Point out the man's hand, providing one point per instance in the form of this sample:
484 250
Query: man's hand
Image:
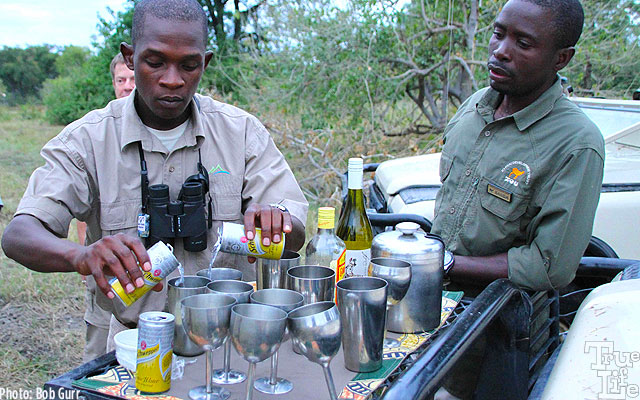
114 255
272 221
30 243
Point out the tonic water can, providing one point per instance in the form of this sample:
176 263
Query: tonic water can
155 351
235 241
163 262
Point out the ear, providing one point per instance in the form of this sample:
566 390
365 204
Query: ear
563 56
127 53
207 58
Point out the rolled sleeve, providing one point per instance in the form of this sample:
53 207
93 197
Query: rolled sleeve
58 191
268 178
560 232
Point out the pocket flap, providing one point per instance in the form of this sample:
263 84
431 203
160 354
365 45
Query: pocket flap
501 202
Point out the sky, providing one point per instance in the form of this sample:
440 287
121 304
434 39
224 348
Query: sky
57 22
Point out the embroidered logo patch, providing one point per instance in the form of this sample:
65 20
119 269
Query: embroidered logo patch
516 172
217 170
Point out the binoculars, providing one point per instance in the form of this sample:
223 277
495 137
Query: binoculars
183 218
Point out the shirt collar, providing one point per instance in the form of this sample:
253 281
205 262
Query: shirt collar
133 130
526 117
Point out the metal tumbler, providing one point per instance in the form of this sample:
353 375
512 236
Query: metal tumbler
362 302
192 285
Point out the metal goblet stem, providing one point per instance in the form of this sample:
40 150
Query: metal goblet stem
241 292
206 319
397 274
286 300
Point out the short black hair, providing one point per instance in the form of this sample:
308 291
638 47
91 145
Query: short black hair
172 10
568 18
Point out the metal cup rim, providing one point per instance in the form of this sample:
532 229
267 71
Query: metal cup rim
228 300
324 305
346 281
238 309
398 263
293 270
172 282
276 290
246 285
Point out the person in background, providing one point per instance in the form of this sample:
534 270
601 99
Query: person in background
521 165
95 318
93 170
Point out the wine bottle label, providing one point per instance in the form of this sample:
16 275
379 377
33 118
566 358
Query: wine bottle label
338 265
357 262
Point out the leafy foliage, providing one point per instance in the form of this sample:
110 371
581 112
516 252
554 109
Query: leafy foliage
23 71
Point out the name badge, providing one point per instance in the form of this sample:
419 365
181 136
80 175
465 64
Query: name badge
143 225
499 193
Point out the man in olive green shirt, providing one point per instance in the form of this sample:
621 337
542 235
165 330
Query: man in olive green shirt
522 166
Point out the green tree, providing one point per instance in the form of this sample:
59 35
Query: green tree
607 60
23 71
71 58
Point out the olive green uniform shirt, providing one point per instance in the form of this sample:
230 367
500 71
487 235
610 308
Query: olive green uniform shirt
92 173
527 185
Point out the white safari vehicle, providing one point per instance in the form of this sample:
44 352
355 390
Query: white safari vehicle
409 185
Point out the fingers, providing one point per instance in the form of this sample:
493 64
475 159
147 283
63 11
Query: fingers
271 220
250 221
114 255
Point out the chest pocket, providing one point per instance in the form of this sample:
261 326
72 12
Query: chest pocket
121 216
506 210
446 161
226 192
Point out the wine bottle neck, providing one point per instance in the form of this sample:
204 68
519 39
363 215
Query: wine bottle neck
355 179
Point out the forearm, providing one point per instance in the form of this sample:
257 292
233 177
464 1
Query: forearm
480 270
28 242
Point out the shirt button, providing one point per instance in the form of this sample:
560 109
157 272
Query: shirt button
475 182
171 169
487 133
467 172
452 210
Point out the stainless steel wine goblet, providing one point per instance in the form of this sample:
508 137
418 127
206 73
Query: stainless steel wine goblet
206 318
397 274
256 333
315 330
240 291
286 300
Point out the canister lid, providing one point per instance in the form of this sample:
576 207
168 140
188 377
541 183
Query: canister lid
407 242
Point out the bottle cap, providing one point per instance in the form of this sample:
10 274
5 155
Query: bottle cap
326 217
355 173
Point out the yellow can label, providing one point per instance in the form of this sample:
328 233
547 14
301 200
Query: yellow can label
153 370
129 298
236 242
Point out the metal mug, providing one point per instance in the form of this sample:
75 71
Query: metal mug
273 273
221 273
192 285
362 302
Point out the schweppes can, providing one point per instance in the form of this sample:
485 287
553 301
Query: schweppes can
235 241
155 351
163 262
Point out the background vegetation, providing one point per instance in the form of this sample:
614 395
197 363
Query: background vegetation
372 78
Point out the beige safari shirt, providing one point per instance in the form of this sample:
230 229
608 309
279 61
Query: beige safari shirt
527 185
92 173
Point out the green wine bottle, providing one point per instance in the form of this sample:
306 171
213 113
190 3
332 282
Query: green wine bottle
354 227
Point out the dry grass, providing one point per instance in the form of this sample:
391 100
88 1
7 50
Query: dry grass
40 314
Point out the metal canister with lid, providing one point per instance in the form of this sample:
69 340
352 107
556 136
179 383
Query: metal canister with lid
420 308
